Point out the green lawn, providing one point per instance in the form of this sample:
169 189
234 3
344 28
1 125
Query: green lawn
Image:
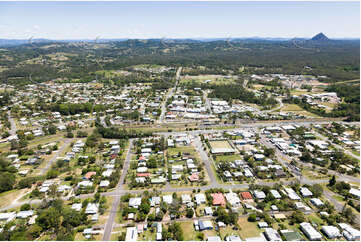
248 229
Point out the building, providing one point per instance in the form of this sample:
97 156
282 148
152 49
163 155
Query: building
135 202
218 199
272 234
305 192
200 198
205 225
310 232
331 232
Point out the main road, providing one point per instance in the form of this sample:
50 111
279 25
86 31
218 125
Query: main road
169 94
113 211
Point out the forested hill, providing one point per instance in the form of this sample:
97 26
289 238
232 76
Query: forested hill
337 59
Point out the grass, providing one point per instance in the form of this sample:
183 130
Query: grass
228 231
222 158
188 231
248 229
6 198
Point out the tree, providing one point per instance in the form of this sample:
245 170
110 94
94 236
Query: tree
332 181
317 190
7 181
189 213
252 217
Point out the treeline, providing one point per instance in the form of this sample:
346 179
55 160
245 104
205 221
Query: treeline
234 91
338 60
116 133
76 108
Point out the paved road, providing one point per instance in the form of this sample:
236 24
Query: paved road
169 94
337 146
206 160
54 158
113 211
12 130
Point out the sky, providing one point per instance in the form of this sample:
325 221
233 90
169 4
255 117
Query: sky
89 20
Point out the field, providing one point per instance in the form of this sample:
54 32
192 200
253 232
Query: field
215 79
248 229
297 110
223 144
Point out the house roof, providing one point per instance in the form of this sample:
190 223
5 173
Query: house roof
218 199
246 195
143 174
90 174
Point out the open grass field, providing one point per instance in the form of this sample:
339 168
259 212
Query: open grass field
188 231
222 158
215 79
297 110
248 229
227 231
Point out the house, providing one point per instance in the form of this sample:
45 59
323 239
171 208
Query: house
233 238
104 183
200 198
331 232
208 211
194 177
355 192
246 195
76 206
85 184
135 202
218 199
91 208
348 232
25 214
7 216
214 238
168 199
132 234
155 201
305 192
233 199
131 216
186 198
310 232
262 225
205 225
317 202
272 234
259 194
89 174
292 194
275 194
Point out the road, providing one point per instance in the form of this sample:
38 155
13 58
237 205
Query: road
169 94
54 158
113 211
279 100
206 161
12 130
337 146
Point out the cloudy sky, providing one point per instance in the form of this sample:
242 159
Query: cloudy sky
87 20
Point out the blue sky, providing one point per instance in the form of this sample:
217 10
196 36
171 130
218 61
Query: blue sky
74 20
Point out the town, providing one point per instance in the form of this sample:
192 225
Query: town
178 162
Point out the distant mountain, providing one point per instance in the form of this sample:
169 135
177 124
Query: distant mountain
320 37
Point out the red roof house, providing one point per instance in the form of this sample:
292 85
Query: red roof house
143 174
218 199
90 174
194 177
246 195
